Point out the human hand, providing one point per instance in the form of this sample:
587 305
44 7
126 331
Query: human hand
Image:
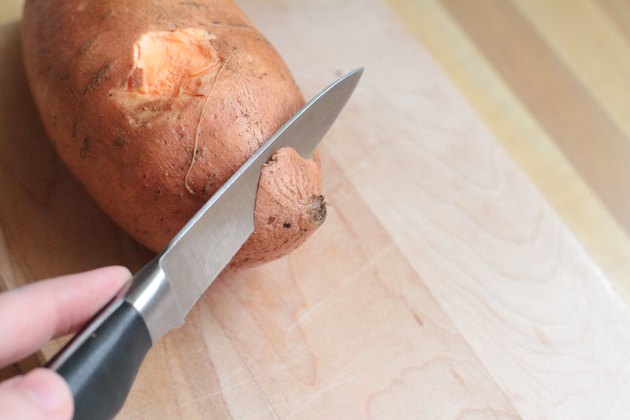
32 315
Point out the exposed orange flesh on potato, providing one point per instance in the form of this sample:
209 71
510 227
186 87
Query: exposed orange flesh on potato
172 62
153 105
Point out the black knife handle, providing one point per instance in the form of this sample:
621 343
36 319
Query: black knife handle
101 363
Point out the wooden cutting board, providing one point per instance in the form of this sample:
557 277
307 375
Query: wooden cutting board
441 285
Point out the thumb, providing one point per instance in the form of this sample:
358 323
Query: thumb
40 394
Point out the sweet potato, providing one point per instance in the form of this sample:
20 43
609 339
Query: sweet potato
154 104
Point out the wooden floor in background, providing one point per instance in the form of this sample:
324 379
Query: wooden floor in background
551 80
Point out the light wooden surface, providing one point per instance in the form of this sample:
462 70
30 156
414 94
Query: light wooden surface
549 78
442 285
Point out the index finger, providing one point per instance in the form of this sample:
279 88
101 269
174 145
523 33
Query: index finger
32 315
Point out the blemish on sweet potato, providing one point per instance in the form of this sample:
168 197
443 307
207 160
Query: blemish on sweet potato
193 4
119 142
317 210
97 79
87 45
85 148
75 123
211 186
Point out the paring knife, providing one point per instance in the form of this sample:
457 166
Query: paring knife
101 362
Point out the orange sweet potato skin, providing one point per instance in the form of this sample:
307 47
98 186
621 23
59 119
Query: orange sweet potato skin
151 146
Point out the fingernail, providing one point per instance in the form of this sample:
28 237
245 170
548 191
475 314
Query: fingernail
45 390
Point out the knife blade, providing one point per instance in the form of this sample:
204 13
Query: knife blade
101 362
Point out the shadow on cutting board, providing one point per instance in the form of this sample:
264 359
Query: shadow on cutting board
49 226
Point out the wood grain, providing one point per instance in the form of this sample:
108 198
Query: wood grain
563 108
439 184
619 13
518 129
595 51
442 285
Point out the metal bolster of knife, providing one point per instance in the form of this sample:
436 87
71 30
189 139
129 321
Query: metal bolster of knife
150 294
